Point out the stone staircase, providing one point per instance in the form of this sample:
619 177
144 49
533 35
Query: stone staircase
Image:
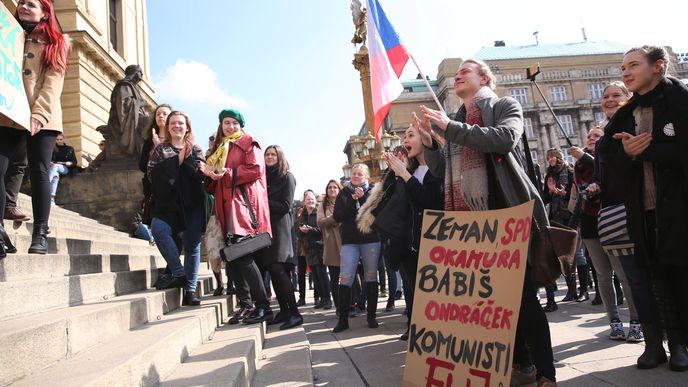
85 314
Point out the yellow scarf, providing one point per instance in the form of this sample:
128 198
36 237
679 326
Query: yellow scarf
219 158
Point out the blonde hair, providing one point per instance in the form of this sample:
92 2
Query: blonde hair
620 85
364 168
484 69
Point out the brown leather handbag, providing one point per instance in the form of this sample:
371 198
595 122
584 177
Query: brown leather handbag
551 247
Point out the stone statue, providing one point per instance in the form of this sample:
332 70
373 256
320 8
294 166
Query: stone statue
128 118
358 12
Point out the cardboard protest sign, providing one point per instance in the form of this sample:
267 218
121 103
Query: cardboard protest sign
13 101
467 299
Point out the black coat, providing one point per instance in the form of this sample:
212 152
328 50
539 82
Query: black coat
345 211
176 188
426 196
281 219
64 153
667 152
313 238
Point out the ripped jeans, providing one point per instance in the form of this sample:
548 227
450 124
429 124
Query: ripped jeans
369 253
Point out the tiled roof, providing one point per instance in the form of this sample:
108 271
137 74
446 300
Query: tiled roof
551 50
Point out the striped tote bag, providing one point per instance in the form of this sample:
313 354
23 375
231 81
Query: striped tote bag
612 230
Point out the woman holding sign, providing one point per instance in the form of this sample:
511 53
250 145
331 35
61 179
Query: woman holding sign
45 61
423 191
355 245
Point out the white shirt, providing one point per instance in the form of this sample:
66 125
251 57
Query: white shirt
420 172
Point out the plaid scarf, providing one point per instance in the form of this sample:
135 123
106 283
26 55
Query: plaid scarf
466 175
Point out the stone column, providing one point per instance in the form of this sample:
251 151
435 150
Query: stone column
362 64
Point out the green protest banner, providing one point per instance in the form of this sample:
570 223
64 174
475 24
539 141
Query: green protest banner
13 101
468 294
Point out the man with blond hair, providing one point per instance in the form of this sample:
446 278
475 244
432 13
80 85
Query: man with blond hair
483 167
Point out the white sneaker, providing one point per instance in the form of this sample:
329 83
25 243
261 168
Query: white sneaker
635 334
617 332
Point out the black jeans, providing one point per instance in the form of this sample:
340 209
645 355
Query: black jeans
302 277
39 151
248 282
321 281
14 176
532 333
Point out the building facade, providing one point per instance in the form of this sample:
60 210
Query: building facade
106 36
572 78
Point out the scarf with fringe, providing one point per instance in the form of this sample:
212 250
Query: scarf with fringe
466 174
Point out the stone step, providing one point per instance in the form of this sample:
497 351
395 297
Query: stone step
229 359
31 296
79 232
85 246
286 359
31 343
142 356
24 202
56 224
21 267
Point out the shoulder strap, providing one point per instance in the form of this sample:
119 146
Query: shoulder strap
254 221
530 166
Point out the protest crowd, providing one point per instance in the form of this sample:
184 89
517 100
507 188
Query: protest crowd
626 196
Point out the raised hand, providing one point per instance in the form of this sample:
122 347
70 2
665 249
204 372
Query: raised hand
437 117
155 138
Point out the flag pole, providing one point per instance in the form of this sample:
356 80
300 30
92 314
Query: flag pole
434 134
427 84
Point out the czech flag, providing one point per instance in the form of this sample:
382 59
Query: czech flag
387 60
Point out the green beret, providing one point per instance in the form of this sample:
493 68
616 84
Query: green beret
233 113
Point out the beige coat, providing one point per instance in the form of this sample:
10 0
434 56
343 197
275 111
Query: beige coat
43 86
332 238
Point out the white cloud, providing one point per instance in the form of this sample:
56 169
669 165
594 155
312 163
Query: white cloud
193 82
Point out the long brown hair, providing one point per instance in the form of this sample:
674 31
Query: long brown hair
189 131
327 203
282 163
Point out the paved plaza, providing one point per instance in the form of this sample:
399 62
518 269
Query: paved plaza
584 355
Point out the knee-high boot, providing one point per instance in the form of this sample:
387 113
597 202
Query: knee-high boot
343 309
583 279
654 353
570 276
371 300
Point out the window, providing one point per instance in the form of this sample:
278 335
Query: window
595 90
519 95
534 156
558 93
114 19
599 117
567 124
567 156
528 127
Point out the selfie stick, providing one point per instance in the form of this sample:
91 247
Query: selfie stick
531 73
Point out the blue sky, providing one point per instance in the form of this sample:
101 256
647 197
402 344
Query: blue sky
287 65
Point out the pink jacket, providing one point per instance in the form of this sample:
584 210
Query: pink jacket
247 158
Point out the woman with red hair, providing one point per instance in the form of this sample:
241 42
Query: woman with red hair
45 62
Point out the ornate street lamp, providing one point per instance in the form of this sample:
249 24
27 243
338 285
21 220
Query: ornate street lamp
357 145
396 141
347 171
382 163
370 142
387 141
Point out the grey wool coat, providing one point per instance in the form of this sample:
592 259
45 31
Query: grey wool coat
500 140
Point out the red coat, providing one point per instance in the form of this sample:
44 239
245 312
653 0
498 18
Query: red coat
247 158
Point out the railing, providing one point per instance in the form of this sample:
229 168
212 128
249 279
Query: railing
609 72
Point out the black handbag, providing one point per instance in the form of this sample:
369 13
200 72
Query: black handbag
241 246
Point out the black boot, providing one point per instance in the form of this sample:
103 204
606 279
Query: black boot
6 246
344 304
191 299
678 361
583 279
571 286
371 300
654 353
39 238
